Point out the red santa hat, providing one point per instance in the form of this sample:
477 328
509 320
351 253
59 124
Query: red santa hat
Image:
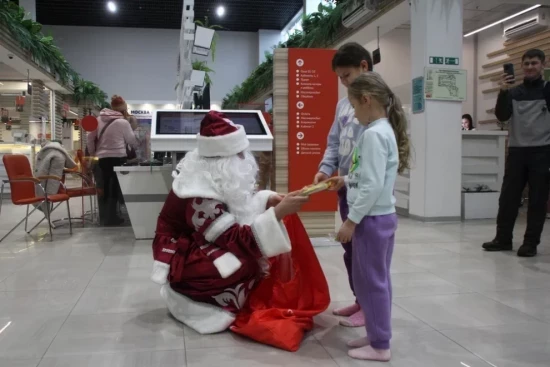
220 137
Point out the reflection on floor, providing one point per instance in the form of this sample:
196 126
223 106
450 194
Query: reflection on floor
86 300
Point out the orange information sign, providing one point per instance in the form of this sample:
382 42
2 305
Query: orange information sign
312 99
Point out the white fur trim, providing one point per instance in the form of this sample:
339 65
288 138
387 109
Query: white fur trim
160 272
220 225
270 234
259 201
227 264
223 145
201 317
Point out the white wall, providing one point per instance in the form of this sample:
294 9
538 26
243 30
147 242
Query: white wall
487 41
395 68
141 64
267 39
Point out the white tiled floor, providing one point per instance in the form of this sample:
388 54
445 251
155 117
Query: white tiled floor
86 301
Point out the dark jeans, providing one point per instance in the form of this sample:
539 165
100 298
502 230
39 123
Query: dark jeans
111 194
344 211
524 166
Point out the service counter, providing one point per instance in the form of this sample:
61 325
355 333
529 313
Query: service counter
483 162
144 190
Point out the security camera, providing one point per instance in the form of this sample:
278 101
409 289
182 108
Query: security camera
10 56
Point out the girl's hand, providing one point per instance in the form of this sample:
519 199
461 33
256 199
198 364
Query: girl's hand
336 183
274 200
346 232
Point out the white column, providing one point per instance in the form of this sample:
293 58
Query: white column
267 39
435 178
30 7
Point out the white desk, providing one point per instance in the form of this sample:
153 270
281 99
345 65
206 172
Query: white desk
483 162
144 189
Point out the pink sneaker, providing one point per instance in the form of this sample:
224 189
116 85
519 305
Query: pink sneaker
355 320
347 311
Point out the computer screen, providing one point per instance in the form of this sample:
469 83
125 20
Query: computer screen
189 122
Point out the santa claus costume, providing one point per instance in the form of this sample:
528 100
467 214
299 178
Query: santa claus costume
217 241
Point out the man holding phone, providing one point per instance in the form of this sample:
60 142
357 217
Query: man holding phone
525 106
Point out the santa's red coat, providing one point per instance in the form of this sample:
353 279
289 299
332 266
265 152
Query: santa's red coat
213 265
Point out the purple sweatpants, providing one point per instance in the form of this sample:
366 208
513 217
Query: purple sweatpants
373 242
344 211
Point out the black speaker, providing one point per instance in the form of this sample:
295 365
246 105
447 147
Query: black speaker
376 57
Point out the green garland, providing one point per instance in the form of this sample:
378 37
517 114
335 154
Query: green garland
319 31
45 53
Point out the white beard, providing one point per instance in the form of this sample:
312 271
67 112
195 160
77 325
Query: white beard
234 178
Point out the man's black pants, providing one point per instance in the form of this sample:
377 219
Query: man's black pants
524 166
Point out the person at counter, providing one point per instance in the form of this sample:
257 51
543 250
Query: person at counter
109 142
349 62
467 122
216 240
526 108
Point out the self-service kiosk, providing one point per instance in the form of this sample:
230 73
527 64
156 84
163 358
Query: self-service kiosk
145 187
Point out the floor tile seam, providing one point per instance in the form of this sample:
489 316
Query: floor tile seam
413 315
70 312
466 349
487 298
96 353
515 309
519 324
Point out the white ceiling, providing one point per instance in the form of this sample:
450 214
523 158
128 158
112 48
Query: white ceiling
479 13
9 73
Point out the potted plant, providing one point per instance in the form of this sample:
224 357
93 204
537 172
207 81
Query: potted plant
479 202
202 66
206 24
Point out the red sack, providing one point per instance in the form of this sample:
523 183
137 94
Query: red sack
280 310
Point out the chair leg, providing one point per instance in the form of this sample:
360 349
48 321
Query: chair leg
41 220
27 219
49 220
17 225
1 197
69 215
92 215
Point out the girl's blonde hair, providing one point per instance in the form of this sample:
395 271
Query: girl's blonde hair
373 85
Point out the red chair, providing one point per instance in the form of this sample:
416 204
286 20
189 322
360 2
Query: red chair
22 184
88 187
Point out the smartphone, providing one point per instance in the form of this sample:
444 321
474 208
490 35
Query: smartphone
509 69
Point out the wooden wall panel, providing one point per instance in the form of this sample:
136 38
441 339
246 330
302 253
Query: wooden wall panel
514 51
317 224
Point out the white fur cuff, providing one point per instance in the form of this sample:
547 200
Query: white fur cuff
227 264
160 272
218 227
270 234
201 317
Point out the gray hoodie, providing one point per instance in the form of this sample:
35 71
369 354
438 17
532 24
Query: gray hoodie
341 141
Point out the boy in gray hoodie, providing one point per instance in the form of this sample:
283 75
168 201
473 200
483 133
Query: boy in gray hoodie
350 61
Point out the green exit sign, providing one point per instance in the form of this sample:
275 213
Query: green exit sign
451 61
437 60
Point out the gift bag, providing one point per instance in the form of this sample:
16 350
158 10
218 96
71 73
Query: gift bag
281 309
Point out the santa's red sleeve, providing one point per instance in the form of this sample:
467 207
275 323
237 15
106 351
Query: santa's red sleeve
264 237
169 225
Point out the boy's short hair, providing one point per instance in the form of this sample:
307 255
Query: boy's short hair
351 55
534 53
